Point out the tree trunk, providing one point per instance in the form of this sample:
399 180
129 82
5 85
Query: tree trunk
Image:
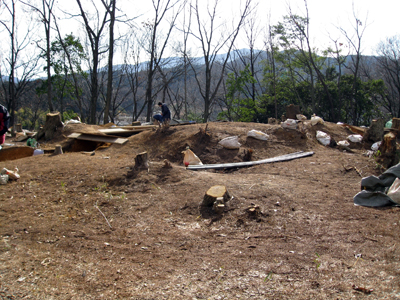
375 132
110 63
141 161
53 122
388 156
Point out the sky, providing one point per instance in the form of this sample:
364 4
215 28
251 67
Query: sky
379 18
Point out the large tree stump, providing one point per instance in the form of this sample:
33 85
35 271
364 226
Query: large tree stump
18 127
387 149
292 111
53 122
58 150
375 132
396 123
216 196
273 121
141 162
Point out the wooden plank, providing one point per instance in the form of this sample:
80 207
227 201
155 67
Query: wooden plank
124 131
285 157
144 127
355 129
98 138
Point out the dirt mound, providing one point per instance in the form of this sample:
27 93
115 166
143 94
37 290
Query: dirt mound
78 226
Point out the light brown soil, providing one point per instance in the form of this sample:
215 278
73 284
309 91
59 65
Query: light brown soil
56 244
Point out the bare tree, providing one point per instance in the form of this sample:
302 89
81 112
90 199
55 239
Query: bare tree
302 25
45 16
206 34
187 19
156 44
271 51
19 70
134 71
94 34
251 57
111 10
388 68
355 44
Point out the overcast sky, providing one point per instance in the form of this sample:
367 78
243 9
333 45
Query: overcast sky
380 18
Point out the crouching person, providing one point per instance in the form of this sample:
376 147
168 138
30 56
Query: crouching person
165 116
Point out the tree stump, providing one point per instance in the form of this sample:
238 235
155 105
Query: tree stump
375 132
215 192
53 122
273 121
396 123
387 150
292 111
58 150
141 161
253 211
18 127
167 164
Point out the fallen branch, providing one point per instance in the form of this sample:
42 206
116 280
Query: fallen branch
103 215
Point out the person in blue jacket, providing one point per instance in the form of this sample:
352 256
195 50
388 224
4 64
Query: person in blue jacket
165 113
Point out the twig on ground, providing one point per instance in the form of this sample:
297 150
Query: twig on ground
103 215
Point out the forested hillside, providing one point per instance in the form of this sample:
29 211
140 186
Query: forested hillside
185 56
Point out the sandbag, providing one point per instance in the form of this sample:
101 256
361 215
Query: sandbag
355 138
323 138
289 124
375 146
344 143
230 142
258 135
4 179
301 117
190 158
316 120
394 191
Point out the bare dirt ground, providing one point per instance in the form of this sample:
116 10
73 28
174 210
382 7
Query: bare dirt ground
308 242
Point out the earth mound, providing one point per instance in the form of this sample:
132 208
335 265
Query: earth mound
78 226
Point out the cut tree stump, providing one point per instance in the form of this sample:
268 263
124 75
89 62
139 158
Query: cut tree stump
396 123
58 150
388 157
167 164
18 127
375 132
292 111
273 121
141 162
53 122
213 194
